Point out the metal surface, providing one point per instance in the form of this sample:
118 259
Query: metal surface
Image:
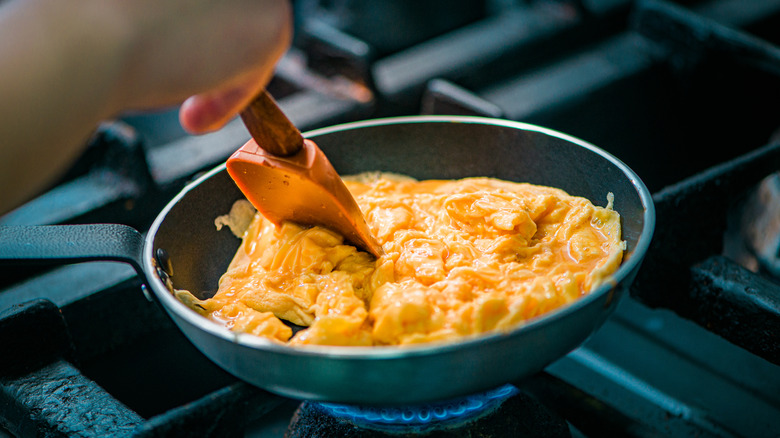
683 270
398 375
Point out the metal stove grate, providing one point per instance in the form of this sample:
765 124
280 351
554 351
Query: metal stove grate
678 90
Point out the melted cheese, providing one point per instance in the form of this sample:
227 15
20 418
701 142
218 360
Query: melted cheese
461 258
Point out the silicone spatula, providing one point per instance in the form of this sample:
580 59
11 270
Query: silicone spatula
288 178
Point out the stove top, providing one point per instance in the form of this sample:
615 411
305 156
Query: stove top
682 91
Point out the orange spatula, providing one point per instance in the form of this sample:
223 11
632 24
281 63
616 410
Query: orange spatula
288 178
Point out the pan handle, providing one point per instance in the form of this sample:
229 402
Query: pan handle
64 244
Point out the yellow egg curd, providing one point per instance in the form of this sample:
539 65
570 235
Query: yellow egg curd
461 258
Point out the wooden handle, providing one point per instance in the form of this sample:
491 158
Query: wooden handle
270 128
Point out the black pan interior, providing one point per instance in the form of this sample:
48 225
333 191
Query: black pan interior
427 150
199 253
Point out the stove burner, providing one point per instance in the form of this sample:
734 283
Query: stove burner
421 417
502 412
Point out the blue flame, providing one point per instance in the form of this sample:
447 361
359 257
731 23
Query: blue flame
426 416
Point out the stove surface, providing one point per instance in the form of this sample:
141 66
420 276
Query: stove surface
682 91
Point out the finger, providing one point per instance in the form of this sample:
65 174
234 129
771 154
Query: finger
208 112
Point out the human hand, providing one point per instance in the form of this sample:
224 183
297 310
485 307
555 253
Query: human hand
218 55
68 65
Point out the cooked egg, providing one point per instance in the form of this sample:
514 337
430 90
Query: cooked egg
462 258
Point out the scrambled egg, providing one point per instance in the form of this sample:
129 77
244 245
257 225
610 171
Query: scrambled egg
461 258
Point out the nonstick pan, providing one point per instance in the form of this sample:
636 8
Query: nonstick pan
423 147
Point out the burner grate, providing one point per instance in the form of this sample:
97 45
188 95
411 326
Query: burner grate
684 271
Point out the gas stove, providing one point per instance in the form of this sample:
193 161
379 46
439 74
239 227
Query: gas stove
685 93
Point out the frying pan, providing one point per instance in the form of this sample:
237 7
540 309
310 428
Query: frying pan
420 146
